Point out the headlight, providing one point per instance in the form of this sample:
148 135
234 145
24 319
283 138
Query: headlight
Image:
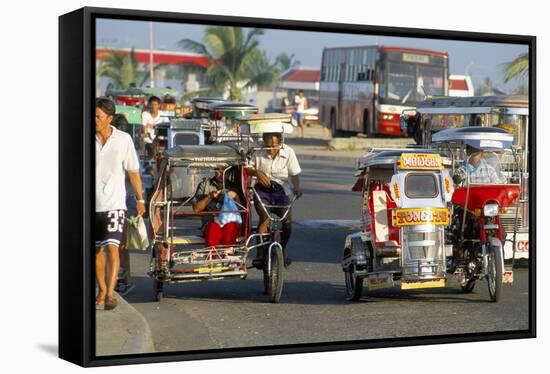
490 210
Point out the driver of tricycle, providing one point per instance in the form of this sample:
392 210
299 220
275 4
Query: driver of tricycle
277 171
479 170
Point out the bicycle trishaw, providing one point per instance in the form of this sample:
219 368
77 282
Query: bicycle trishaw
179 253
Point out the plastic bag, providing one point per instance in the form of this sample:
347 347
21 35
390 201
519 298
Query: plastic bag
229 211
136 234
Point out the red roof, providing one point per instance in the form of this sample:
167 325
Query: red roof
458 84
302 75
159 57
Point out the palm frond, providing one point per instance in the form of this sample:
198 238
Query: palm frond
194 46
518 68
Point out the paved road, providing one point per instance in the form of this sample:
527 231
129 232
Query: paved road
235 313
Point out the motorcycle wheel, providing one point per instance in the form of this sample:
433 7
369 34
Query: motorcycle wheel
494 278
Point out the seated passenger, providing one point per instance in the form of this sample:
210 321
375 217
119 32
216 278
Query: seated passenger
224 227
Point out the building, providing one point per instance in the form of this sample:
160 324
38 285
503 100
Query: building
460 85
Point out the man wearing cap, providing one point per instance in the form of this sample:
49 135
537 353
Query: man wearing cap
478 169
277 171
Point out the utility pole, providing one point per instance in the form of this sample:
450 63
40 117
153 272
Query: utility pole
151 76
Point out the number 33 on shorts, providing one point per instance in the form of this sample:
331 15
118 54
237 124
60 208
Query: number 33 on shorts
116 220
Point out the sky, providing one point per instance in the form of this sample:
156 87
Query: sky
480 60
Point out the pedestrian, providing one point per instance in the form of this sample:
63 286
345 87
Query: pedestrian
277 171
300 105
115 156
149 119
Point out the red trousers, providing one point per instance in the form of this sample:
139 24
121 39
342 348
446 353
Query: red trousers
215 235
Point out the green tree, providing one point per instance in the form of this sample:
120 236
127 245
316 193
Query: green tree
487 87
285 61
517 68
120 67
236 61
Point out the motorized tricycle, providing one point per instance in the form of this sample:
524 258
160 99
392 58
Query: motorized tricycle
484 190
224 126
508 112
405 212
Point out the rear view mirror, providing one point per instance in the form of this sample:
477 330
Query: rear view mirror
457 179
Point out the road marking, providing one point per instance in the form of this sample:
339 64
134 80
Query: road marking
328 224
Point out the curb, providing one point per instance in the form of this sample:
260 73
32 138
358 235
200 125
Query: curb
302 156
122 331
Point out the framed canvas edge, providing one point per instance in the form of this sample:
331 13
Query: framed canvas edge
81 333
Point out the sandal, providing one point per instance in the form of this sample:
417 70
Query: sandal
111 303
99 304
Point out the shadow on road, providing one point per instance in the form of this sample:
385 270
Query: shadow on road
294 292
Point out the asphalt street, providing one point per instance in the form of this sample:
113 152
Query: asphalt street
235 313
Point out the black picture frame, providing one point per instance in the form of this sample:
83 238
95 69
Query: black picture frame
76 190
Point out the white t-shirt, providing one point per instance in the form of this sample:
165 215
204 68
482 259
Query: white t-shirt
112 160
279 169
149 122
300 103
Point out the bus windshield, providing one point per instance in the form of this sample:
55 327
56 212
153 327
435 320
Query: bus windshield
409 83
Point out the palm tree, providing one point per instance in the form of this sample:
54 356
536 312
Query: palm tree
285 61
517 68
486 87
236 61
120 67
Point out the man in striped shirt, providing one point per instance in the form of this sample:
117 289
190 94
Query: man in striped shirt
479 170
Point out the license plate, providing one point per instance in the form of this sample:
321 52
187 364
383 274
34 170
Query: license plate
379 281
430 283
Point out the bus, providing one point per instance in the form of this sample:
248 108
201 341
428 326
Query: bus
365 89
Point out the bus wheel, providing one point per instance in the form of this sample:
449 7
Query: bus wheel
333 122
366 123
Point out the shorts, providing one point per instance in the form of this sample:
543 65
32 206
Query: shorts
109 227
299 116
273 198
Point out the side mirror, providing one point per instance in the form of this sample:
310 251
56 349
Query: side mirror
457 179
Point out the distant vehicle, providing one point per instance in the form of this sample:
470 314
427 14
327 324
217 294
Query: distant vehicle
137 97
365 89
311 112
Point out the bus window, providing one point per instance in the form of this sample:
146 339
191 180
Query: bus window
401 81
431 79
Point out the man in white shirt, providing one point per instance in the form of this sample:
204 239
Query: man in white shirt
115 155
149 119
277 171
